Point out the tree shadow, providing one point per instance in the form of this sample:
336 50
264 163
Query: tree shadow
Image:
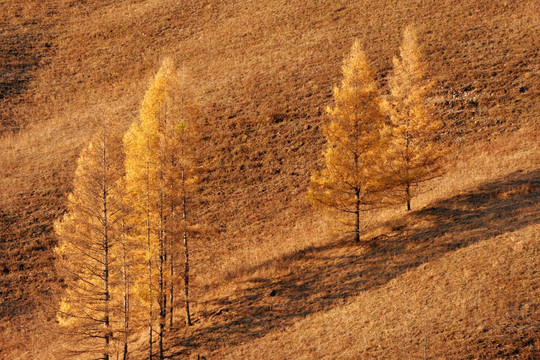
325 277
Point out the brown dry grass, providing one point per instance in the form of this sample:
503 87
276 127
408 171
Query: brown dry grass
263 74
468 304
466 227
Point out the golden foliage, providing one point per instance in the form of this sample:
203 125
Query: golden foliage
87 233
353 158
160 176
415 150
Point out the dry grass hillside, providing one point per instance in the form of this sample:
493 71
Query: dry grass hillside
484 309
459 273
262 74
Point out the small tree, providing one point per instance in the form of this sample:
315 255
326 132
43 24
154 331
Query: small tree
414 151
350 180
86 235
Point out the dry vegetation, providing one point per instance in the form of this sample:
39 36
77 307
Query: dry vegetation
488 308
466 226
262 75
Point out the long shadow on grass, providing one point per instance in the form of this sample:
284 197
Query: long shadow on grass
324 277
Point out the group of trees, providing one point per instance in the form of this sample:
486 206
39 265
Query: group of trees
126 229
378 148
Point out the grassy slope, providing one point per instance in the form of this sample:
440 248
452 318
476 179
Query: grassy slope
262 75
478 302
464 224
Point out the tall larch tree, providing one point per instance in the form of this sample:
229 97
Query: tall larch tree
125 286
350 180
158 173
144 186
414 151
126 253
87 233
182 132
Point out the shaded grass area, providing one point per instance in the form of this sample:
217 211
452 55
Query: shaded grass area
25 41
320 278
26 253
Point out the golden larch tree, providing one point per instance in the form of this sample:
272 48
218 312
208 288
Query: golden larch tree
144 187
350 180
181 137
414 151
158 175
87 233
126 253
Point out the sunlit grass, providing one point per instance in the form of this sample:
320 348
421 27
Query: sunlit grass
262 74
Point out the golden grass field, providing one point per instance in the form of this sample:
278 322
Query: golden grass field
455 278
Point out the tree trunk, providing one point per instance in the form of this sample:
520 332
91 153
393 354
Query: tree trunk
105 224
357 216
126 291
161 295
408 196
186 251
186 280
171 284
407 162
171 235
149 263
